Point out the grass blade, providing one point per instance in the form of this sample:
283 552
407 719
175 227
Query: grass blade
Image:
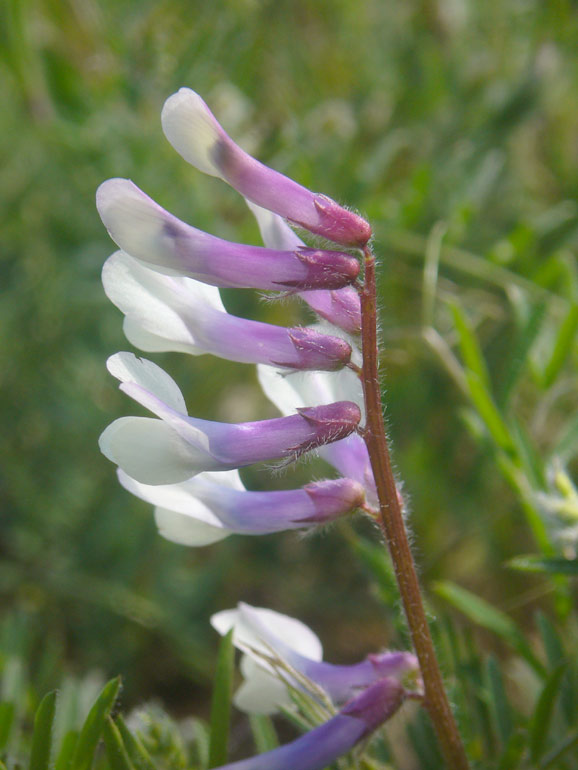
562 347
138 755
484 614
469 346
7 714
91 731
221 705
535 563
264 733
115 749
543 712
66 752
501 711
42 736
518 356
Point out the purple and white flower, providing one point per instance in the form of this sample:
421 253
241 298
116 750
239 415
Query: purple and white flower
172 313
143 229
211 506
197 136
281 652
176 447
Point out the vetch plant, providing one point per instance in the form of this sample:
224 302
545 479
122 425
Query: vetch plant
328 393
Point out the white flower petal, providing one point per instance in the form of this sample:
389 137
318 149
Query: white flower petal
186 530
127 368
161 311
298 389
149 450
275 232
153 343
261 629
136 223
191 129
182 498
261 692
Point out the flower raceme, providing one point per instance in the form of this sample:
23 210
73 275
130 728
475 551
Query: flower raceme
211 506
175 447
165 280
281 652
197 136
175 313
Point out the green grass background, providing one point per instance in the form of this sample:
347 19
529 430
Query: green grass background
435 118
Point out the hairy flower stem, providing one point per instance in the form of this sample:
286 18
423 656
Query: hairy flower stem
392 524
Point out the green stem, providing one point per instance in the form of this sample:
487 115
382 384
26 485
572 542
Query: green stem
392 524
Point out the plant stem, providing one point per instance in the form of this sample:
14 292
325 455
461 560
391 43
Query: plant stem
392 524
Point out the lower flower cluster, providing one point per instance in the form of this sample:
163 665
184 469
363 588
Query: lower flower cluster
165 279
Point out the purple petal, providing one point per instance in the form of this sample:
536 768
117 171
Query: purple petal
320 747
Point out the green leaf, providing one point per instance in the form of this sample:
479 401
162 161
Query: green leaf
91 731
562 347
42 736
518 356
115 749
536 563
551 640
513 753
542 717
469 346
532 462
64 758
501 711
488 411
556 654
221 704
484 614
7 713
138 755
264 733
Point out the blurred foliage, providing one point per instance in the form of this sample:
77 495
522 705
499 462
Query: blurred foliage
452 125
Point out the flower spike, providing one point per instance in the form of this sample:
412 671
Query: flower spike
171 313
195 134
146 231
177 446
